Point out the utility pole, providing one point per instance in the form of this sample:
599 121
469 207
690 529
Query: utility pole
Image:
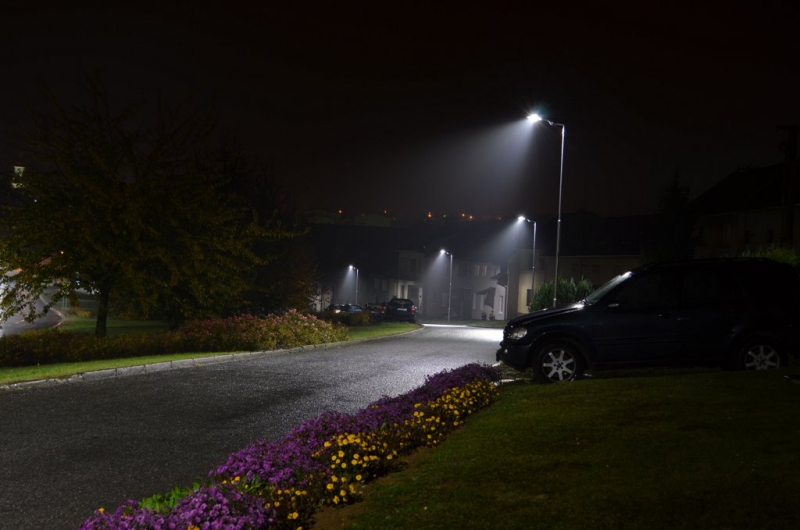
788 193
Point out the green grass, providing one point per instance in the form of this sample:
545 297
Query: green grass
381 330
683 450
55 371
114 326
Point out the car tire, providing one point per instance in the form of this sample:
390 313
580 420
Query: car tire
760 354
558 362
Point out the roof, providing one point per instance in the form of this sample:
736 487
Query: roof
745 189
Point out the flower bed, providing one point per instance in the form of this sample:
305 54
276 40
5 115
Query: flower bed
323 461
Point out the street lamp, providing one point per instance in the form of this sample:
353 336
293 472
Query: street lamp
352 268
450 287
533 255
534 118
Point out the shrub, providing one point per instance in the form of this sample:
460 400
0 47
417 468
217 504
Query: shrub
360 318
241 333
569 292
780 254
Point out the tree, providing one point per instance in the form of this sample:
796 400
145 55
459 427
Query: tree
671 237
286 273
123 209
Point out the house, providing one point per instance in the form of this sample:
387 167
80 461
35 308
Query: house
747 211
406 262
592 247
491 270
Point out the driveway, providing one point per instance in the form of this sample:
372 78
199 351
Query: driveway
71 448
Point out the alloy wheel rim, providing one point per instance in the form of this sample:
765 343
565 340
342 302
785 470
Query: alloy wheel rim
761 357
559 365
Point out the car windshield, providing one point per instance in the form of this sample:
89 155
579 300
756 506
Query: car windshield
601 291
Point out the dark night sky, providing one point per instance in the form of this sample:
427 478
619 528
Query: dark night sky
416 107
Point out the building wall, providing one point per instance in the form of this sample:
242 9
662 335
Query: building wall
731 234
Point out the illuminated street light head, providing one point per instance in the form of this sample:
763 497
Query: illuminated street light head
351 267
522 218
443 251
533 117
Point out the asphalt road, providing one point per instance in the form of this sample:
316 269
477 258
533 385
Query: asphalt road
70 448
16 324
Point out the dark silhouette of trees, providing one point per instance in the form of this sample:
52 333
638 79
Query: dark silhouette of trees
138 209
671 237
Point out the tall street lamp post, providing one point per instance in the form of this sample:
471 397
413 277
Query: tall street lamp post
450 285
533 257
533 118
352 268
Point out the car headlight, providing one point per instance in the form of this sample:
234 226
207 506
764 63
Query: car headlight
517 334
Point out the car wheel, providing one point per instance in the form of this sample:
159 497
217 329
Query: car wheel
558 362
760 354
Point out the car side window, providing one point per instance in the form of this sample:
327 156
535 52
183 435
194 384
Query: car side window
707 287
647 292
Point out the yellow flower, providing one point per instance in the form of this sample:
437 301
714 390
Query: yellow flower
101 510
358 477
330 486
343 493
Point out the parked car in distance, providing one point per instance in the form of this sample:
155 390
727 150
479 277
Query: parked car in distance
335 308
737 313
400 309
352 308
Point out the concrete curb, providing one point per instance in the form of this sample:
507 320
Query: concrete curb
181 364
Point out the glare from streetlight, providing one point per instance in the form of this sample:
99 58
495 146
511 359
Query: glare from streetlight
533 117
354 268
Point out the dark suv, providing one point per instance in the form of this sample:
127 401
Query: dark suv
401 309
737 313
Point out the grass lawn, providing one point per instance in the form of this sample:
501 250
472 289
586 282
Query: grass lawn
114 326
687 449
384 329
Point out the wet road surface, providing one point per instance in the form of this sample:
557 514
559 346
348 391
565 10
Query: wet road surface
70 448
